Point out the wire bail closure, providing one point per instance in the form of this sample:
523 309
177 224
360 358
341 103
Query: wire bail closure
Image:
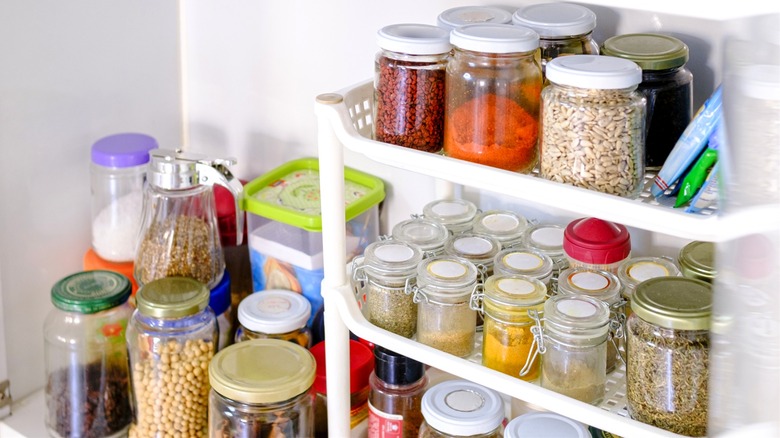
537 345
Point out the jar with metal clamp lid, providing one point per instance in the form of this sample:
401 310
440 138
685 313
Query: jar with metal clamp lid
524 261
457 215
428 234
445 318
479 249
505 226
548 239
638 269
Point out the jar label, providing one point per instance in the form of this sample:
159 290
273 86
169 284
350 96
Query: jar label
550 237
523 261
646 270
516 286
589 281
473 245
447 269
274 305
576 308
500 222
448 209
384 425
394 253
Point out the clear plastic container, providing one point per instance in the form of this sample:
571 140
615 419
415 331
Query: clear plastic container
459 408
593 124
395 399
457 215
479 249
220 302
274 314
88 381
428 234
260 388
171 339
638 269
493 95
503 225
596 244
524 261
548 424
409 73
463 15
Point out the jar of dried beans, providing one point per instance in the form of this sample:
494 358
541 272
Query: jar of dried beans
668 345
494 82
505 226
459 408
428 234
445 318
171 339
524 261
593 123
274 314
457 215
409 85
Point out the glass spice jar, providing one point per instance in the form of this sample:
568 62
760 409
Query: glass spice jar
668 345
593 123
524 261
428 234
493 88
593 243
462 15
387 274
503 225
697 260
666 84
548 239
395 399
459 408
274 314
445 319
638 269
409 73
479 249
261 388
88 380
457 215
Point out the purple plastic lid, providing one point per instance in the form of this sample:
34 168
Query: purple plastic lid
123 150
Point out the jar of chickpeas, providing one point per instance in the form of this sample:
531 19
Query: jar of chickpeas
171 339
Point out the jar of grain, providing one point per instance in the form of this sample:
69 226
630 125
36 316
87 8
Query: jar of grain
493 88
428 234
697 260
459 408
409 73
386 274
274 314
574 347
503 225
524 261
638 269
457 215
548 239
479 249
593 243
668 344
261 387
593 123
445 320
507 337
171 339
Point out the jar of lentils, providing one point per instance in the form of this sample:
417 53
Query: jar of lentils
505 226
409 85
428 234
171 339
457 215
593 122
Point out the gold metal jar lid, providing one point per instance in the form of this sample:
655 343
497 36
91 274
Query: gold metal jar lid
172 297
678 303
697 260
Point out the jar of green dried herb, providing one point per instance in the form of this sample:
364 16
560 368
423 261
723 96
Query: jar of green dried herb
667 371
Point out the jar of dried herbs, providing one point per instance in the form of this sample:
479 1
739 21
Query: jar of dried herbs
697 260
668 347
457 215
445 320
548 239
479 249
428 234
524 261
386 273
503 225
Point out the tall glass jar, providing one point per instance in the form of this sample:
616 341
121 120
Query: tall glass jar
493 87
428 234
524 261
88 380
261 387
445 320
394 402
459 408
548 239
409 73
503 225
479 249
574 347
457 215
593 123
387 274
668 344
171 339
507 336
274 314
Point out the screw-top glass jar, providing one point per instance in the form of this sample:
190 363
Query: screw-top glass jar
463 15
456 214
697 260
397 387
428 234
459 408
536 424
274 314
503 225
479 249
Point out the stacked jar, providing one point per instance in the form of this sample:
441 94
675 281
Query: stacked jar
427 234
459 408
274 314
505 226
596 244
463 15
457 215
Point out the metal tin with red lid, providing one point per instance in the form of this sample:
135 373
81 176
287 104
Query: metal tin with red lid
595 243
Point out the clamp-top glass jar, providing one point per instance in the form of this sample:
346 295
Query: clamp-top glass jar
459 408
548 239
428 234
457 215
593 124
479 249
503 225
274 314
493 86
638 269
409 76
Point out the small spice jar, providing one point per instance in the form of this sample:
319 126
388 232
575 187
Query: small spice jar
171 339
274 314
524 261
493 92
220 303
507 337
428 234
463 15
395 399
445 320
409 85
563 28
697 260
638 269
459 408
593 123
548 239
574 347
479 249
668 345
537 424
457 215
596 244
261 388
505 226
387 274
88 380
666 84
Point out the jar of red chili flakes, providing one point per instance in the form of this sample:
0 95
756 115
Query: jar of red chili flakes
409 85
494 84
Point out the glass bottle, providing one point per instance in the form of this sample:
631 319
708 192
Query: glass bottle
638 269
428 234
274 314
457 215
503 225
462 15
395 399
697 260
171 340
261 387
409 73
479 249
459 408
445 320
524 261
593 123
593 243
88 380
493 88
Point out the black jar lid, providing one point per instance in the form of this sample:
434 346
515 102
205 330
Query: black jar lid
651 51
395 369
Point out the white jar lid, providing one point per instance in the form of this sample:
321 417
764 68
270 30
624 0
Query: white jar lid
547 238
463 15
494 38
462 408
414 39
594 71
545 424
274 311
556 19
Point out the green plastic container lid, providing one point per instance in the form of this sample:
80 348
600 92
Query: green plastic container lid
172 297
651 51
674 302
291 194
90 291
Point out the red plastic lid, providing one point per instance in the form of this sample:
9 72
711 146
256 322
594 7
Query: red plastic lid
92 262
592 240
226 215
361 364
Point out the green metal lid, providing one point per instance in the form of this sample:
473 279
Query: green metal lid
674 302
291 194
90 291
172 297
650 51
697 260
262 371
